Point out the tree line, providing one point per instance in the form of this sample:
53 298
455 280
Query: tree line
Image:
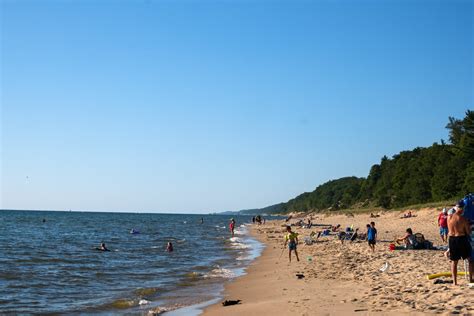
440 172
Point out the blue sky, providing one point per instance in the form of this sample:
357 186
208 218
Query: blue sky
202 106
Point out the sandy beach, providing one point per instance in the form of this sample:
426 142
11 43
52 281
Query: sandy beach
346 278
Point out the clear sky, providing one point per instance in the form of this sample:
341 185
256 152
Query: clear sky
203 106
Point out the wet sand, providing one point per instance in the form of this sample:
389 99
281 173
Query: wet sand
345 279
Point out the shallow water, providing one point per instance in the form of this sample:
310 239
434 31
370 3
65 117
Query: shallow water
53 267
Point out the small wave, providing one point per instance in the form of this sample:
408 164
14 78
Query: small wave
240 246
220 273
242 257
123 304
146 291
192 275
236 239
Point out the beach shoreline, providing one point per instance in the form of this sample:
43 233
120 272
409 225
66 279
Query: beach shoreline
345 279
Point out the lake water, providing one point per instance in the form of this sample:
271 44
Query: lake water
52 266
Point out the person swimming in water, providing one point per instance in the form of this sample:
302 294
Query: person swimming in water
102 247
169 247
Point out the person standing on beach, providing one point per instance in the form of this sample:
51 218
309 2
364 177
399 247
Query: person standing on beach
292 239
232 226
371 236
459 243
443 225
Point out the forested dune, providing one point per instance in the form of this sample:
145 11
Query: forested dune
440 172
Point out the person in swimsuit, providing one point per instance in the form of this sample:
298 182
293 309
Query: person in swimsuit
459 242
292 239
169 247
232 226
409 239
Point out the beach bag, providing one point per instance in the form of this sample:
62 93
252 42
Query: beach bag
469 207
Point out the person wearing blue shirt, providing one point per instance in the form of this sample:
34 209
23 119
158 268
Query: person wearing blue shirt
371 235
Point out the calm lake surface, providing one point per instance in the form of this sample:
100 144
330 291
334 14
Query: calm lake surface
52 266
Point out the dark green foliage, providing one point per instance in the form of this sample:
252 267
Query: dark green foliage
455 130
436 173
336 194
468 185
272 209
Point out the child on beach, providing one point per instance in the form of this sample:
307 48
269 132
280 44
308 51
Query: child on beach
292 239
371 235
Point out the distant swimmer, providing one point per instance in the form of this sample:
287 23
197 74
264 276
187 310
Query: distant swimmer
169 247
202 220
134 231
232 226
44 220
102 247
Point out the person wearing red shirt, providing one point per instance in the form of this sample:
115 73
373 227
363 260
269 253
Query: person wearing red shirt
443 225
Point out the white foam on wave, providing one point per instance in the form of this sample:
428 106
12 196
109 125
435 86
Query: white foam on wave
236 239
240 246
220 273
243 257
239 243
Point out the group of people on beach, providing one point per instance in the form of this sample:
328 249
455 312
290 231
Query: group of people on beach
259 219
454 228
